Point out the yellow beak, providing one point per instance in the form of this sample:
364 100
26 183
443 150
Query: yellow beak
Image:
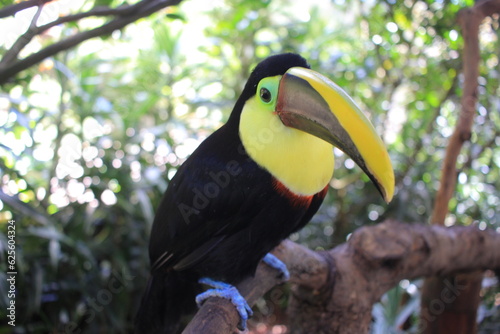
310 102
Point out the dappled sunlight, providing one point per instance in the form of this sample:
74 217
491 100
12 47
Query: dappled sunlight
91 137
262 328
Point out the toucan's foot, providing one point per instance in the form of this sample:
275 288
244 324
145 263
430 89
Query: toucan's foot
224 290
277 264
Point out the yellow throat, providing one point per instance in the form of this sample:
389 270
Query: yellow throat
300 161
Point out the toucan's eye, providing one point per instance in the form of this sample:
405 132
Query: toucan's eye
265 95
267 91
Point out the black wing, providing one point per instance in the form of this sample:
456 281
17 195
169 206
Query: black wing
213 194
221 207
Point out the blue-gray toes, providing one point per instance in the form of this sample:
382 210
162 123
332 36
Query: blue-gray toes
277 264
224 290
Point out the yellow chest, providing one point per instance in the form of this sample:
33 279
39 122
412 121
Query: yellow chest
300 161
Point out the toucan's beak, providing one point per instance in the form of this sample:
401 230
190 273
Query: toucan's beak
312 103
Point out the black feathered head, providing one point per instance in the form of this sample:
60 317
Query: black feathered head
269 67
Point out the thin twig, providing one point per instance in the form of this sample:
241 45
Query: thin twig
148 8
25 209
410 161
13 9
34 30
23 40
474 155
123 10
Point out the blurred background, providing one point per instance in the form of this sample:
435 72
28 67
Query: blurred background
90 138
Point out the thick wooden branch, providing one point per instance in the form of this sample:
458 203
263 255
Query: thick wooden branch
306 267
334 291
146 8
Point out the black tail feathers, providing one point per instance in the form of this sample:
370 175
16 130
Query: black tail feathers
168 297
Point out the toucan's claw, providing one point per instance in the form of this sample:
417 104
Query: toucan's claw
273 262
227 291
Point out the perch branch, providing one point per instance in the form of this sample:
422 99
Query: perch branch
306 267
342 285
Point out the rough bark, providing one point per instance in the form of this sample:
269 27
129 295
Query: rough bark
306 267
334 291
459 316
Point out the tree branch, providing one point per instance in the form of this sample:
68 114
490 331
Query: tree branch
13 9
126 16
306 267
419 146
25 209
34 30
460 316
97 11
469 20
22 41
334 291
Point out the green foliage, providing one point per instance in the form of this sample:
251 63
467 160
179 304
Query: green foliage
91 138
396 311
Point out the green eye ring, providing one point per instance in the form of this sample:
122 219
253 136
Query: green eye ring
265 95
267 91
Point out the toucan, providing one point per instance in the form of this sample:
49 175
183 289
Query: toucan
249 185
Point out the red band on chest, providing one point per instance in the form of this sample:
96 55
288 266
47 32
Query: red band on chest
296 200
